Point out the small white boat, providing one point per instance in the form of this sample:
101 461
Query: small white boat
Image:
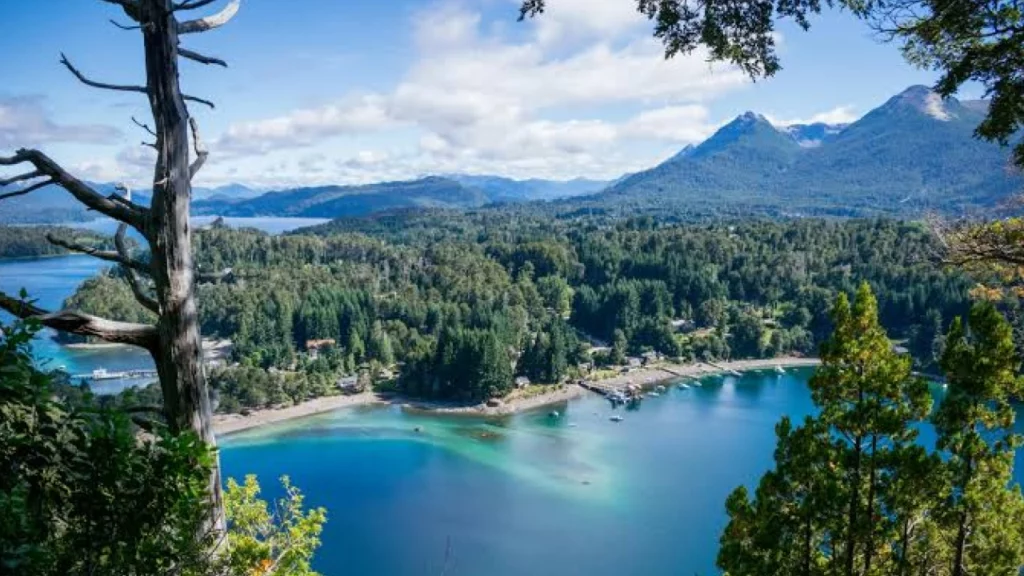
660 388
779 369
554 414
683 386
653 394
616 418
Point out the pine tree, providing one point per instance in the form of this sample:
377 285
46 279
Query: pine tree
974 424
619 347
868 398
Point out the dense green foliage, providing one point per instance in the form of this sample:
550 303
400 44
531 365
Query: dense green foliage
462 303
852 492
79 494
29 241
268 541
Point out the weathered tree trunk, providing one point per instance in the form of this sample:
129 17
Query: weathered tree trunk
179 354
174 342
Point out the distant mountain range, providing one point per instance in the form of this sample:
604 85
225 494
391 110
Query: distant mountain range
53 205
915 153
452 191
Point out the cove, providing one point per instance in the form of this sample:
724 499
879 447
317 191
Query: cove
532 494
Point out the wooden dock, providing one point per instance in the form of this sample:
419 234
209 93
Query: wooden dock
605 390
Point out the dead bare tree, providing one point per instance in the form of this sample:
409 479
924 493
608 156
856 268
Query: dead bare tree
174 341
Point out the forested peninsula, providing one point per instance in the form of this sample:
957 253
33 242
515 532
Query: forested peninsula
32 242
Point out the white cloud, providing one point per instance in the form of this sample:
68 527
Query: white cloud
566 20
305 127
688 123
25 122
477 100
837 115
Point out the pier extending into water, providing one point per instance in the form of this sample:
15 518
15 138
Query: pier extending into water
120 375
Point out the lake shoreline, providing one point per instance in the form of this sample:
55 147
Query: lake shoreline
227 424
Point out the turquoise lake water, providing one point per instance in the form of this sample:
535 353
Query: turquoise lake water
532 494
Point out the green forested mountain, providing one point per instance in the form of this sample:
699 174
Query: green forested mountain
913 154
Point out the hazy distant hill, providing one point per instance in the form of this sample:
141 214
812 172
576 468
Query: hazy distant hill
914 153
337 201
52 204
499 189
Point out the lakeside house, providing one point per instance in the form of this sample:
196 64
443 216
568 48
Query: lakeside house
650 357
522 382
349 384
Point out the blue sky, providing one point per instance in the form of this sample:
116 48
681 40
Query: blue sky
327 91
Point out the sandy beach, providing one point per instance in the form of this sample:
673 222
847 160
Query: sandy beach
514 403
650 375
224 424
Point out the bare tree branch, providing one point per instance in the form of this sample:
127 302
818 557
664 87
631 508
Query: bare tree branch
133 280
130 7
24 191
103 85
201 58
144 126
201 150
122 211
105 255
142 335
120 87
150 144
124 26
199 100
191 4
210 22
19 178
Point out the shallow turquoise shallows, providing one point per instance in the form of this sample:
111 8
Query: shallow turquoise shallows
531 494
